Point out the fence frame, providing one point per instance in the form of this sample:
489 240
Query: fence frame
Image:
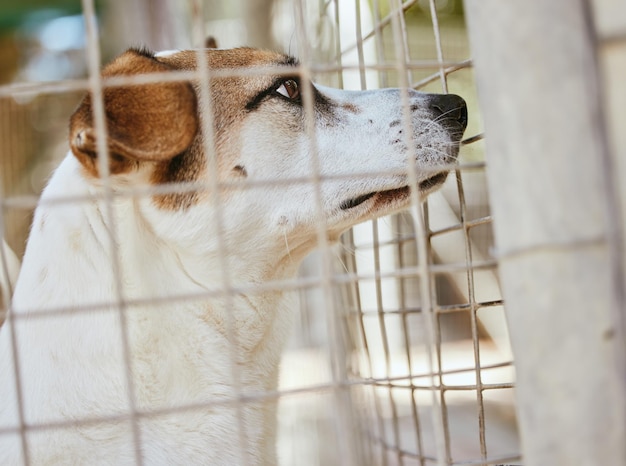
558 226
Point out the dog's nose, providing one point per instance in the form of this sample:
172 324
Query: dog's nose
449 107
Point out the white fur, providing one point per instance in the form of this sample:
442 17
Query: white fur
72 364
180 350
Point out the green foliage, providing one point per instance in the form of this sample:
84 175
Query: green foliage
14 13
421 9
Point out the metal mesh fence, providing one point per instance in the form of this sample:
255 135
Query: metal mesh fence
402 354
425 316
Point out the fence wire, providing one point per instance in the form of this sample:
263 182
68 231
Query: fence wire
412 318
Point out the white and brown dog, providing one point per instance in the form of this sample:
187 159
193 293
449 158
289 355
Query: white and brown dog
79 372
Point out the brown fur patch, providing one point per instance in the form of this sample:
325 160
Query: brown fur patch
152 122
351 108
184 168
240 170
229 96
210 43
158 125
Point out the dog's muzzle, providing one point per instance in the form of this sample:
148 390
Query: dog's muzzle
449 110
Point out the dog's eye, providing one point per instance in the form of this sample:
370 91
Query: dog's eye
289 88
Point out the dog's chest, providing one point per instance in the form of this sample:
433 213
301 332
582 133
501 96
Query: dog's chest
194 353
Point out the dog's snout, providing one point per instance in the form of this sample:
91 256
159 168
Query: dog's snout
449 107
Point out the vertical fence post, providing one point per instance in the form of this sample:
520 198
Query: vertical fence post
557 230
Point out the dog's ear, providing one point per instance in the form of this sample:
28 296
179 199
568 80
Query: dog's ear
153 122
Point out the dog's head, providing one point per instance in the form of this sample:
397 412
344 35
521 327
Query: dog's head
264 157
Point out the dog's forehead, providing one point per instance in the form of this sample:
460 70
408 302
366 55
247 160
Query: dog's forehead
243 57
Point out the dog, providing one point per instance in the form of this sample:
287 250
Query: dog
144 324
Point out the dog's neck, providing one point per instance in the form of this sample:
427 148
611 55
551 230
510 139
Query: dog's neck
190 342
158 257
215 249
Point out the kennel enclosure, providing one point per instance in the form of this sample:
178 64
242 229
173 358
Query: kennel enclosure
401 351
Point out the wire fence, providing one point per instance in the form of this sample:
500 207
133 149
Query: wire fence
405 331
422 379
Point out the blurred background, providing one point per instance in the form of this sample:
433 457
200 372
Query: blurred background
394 384
355 45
